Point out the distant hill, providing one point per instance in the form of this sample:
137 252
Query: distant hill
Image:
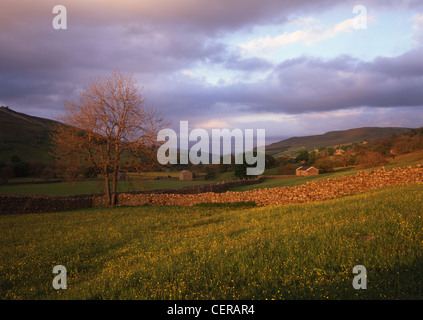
23 135
28 137
332 138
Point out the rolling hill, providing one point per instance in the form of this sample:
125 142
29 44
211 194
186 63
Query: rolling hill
28 137
23 135
332 138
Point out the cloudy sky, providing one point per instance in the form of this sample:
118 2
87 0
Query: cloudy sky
295 68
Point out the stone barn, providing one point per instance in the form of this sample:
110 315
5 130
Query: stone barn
185 175
306 171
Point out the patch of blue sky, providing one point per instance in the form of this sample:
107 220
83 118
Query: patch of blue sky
387 34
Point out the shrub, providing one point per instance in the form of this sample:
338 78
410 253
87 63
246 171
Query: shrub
35 168
6 172
21 169
240 171
48 173
324 165
370 159
211 174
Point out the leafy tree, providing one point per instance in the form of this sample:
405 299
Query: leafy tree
370 159
270 161
35 168
302 156
20 168
282 160
240 170
311 158
324 165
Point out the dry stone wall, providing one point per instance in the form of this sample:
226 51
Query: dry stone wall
17 204
216 193
311 191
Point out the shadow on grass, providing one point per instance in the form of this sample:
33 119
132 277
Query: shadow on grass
233 205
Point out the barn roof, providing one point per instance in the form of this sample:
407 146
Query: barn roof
304 168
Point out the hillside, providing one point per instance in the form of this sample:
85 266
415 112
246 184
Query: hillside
23 135
27 137
333 138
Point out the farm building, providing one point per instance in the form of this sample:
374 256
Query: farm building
306 171
185 175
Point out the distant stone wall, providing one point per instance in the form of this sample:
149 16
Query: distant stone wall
214 187
18 204
311 191
217 193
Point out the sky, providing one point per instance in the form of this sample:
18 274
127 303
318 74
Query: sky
294 68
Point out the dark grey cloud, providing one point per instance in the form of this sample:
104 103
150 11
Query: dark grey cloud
409 64
307 84
235 62
311 84
157 40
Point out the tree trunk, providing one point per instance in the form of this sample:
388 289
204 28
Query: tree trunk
107 189
114 187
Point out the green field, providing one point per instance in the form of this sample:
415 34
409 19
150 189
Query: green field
295 181
304 251
90 187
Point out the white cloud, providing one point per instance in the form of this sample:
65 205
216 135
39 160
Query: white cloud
303 21
307 36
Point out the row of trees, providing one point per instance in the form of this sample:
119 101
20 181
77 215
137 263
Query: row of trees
16 168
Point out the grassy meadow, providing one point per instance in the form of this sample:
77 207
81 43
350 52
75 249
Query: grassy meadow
231 251
90 187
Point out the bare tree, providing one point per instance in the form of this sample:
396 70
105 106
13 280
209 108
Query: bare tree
109 129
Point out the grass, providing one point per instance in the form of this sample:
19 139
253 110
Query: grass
295 181
226 176
409 158
89 187
271 172
236 251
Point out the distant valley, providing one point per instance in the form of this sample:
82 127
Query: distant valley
28 137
